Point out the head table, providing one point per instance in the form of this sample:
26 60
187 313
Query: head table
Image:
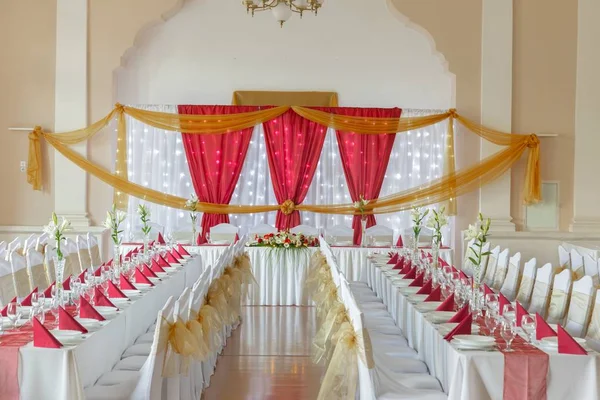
472 374
280 274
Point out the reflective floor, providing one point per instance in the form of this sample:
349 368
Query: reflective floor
268 357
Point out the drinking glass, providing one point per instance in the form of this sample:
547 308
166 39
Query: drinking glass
54 308
38 312
104 283
508 312
13 312
491 298
490 321
528 324
507 331
35 299
53 291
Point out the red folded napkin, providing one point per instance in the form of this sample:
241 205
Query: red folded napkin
114 292
407 267
463 327
48 291
447 305
520 311
155 267
109 263
5 309
67 283
27 300
412 274
487 290
502 301
418 281
463 275
568 345
427 287
181 250
141 278
42 337
172 259
442 262
82 276
87 311
148 272
176 254
162 262
454 269
125 284
129 253
461 314
67 323
435 295
399 265
151 243
160 239
101 300
542 329
393 259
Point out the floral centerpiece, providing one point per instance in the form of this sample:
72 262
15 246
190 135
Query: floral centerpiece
417 215
359 206
284 240
437 220
192 206
113 221
144 213
479 234
56 229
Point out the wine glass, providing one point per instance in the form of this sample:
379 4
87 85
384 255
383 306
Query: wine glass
13 312
104 283
54 308
75 296
507 331
529 325
490 321
54 291
35 299
508 312
38 312
491 298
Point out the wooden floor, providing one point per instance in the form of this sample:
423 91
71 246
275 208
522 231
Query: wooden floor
268 357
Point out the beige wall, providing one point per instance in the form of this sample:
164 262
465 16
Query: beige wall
543 90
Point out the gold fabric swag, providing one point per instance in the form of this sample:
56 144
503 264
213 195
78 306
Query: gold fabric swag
449 186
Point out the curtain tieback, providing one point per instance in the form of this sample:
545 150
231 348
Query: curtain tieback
532 141
287 207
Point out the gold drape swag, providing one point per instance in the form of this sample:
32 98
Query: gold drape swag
446 188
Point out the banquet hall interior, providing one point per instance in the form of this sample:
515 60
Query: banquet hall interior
299 199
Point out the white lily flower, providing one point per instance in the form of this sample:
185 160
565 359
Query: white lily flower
472 232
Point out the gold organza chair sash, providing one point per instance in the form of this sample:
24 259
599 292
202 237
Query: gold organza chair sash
525 289
499 277
539 298
578 272
22 286
324 300
341 379
38 276
49 268
580 308
72 265
559 301
7 288
179 341
85 261
322 343
594 327
95 255
490 270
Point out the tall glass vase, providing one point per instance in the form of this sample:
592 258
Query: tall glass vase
146 241
194 233
476 301
363 231
116 264
415 246
435 253
59 269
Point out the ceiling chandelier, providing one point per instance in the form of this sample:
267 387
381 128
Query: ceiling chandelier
282 9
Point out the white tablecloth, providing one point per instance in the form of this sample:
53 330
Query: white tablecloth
56 374
467 375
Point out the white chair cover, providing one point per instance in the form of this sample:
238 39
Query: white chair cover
15 245
559 300
590 266
223 233
94 250
564 258
41 242
379 235
20 275
35 267
261 229
340 235
7 284
305 230
501 269
511 282
580 307
490 268
83 252
541 290
527 281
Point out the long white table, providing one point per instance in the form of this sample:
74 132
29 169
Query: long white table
56 374
467 375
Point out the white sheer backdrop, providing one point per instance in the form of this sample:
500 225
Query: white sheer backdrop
157 160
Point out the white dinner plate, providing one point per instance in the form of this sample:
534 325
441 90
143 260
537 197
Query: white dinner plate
132 294
417 298
401 283
438 317
143 287
118 301
428 306
475 340
462 346
445 328
107 312
89 323
409 290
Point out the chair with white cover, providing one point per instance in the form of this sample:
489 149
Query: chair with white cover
591 268
580 307
541 290
306 230
30 242
564 258
513 275
223 234
380 236
490 268
49 254
35 267
425 237
467 265
71 253
144 383
41 241
7 284
593 329
94 250
577 264
559 300
15 245
501 269
20 276
179 386
261 229
527 281
83 252
340 235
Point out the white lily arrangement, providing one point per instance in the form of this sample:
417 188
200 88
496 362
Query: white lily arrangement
418 215
479 234
437 220
360 205
57 230
144 213
113 221
192 206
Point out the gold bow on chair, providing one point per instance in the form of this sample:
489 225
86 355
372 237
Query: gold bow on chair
322 343
179 340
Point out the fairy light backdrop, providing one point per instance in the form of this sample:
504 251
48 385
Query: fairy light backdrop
156 159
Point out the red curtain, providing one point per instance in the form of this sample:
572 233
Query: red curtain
293 148
215 162
365 158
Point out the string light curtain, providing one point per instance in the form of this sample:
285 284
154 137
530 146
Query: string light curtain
293 150
215 162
